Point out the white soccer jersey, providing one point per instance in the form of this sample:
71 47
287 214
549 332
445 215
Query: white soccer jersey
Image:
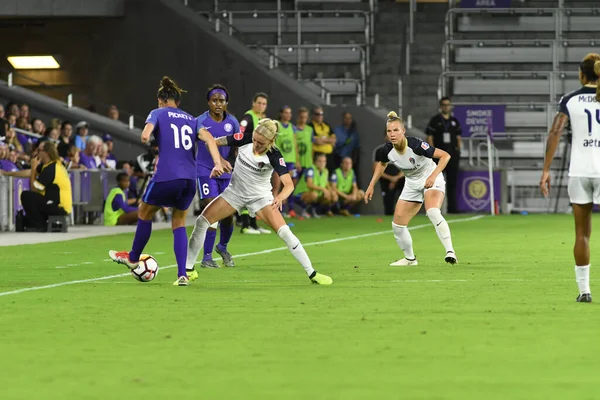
251 177
584 114
416 162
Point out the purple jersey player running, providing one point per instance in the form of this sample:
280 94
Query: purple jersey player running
219 123
173 183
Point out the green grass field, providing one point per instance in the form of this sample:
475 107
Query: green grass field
502 324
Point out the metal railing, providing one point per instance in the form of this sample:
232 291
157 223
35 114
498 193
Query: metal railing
554 46
298 15
551 75
321 82
556 13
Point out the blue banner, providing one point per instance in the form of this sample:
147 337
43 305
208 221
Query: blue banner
485 3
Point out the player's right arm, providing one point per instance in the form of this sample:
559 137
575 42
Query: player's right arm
207 138
151 122
381 159
558 126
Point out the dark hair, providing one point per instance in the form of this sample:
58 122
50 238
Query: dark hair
217 86
65 123
259 95
445 98
317 155
121 176
590 69
352 126
168 90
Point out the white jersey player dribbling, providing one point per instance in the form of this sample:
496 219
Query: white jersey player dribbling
424 183
251 189
582 108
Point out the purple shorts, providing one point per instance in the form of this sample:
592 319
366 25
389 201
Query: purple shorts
291 167
209 188
178 193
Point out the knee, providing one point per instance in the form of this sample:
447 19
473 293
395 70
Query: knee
360 195
435 215
26 195
201 223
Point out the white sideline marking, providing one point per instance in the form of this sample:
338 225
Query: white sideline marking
103 278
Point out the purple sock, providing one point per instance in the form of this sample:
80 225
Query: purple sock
290 203
140 240
209 244
180 247
226 232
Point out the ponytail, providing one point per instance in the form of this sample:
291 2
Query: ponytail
168 90
597 72
393 116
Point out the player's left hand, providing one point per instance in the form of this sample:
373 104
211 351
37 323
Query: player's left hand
226 166
545 183
216 171
145 137
430 181
277 203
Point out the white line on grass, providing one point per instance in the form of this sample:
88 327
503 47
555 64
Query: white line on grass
103 278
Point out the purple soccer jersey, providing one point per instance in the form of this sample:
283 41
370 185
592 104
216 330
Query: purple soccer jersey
228 126
176 132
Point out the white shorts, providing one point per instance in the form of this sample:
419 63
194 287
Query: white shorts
253 205
414 190
584 190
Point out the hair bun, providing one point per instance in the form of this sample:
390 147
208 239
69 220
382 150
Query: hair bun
166 82
392 114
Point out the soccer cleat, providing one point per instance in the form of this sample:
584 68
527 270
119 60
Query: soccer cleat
292 214
345 213
122 257
451 258
209 264
192 274
405 262
584 298
250 231
226 256
321 279
182 281
264 231
305 215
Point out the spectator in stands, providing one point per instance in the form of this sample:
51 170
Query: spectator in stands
343 182
108 141
66 131
38 127
347 141
24 112
11 140
103 161
2 113
444 132
81 129
12 120
117 210
73 160
113 113
324 139
88 156
52 133
50 192
13 109
127 167
5 163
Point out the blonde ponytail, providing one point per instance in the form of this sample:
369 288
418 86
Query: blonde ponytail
393 116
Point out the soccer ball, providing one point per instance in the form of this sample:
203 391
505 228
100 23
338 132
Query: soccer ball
146 270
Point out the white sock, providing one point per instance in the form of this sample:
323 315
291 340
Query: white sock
196 241
296 248
582 276
441 227
404 240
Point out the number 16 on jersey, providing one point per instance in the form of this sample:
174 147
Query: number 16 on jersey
185 134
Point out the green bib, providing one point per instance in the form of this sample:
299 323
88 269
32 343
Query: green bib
320 179
304 139
285 142
110 216
345 184
255 118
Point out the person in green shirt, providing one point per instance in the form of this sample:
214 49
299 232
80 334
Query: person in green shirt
117 210
286 143
304 139
314 191
343 182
